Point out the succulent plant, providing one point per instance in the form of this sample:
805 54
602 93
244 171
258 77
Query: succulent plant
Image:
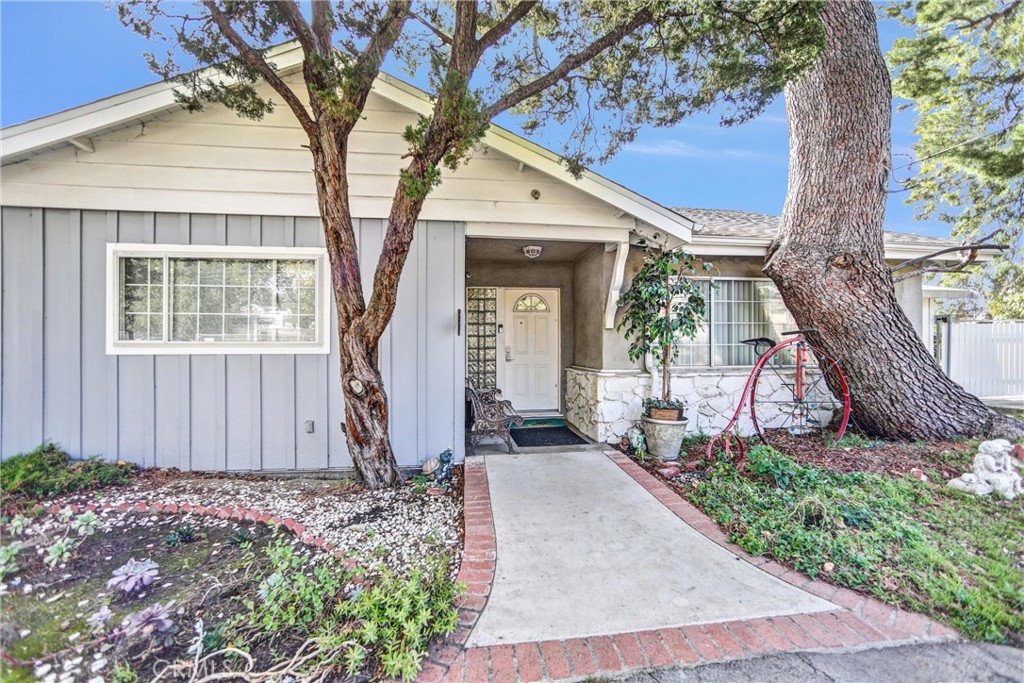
154 621
9 558
239 538
18 524
184 533
86 523
65 514
59 552
133 576
98 619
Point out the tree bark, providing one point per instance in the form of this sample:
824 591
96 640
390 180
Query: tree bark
828 260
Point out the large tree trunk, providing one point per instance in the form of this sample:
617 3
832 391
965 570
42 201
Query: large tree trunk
366 403
828 259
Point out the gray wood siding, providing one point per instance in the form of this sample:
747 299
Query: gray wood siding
210 412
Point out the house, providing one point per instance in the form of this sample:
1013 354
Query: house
166 300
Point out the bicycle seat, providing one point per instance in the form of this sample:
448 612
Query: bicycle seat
760 344
792 332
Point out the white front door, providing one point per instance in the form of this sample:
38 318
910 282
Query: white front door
530 349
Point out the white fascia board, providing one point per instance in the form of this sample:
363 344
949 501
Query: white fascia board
100 115
753 246
549 163
936 292
551 233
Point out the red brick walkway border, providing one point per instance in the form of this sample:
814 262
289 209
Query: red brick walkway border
859 622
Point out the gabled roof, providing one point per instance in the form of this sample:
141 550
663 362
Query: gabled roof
75 126
760 227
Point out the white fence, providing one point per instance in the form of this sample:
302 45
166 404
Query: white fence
986 357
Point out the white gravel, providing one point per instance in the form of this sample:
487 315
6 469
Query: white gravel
396 528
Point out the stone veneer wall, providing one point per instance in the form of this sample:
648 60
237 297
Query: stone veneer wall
603 404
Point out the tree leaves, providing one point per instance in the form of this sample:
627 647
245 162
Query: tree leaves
964 73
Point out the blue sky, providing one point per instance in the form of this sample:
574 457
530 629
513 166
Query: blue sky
56 55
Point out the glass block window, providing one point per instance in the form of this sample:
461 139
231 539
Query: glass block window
529 303
237 303
482 336
737 310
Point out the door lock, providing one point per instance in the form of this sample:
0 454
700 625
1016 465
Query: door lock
508 354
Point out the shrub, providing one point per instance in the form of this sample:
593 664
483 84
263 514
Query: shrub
400 615
48 472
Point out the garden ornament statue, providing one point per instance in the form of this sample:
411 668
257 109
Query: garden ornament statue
994 469
444 469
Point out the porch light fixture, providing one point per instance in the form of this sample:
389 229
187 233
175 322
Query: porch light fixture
532 251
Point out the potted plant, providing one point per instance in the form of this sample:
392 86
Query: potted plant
663 304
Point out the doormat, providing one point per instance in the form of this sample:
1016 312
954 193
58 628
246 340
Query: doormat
546 436
535 422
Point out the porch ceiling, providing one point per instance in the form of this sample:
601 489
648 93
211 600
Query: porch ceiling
481 249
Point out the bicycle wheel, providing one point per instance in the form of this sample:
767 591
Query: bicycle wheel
799 394
725 446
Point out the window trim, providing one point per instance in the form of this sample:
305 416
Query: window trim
117 347
710 365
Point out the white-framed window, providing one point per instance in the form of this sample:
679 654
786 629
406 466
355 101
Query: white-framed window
192 299
738 309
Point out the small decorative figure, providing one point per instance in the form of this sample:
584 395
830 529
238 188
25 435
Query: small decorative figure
994 470
444 468
635 435
430 466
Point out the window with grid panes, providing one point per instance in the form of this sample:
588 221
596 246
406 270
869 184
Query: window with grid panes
182 301
737 309
481 336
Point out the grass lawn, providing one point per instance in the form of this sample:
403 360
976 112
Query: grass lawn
951 555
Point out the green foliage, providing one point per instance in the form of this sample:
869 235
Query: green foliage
294 593
398 616
240 538
9 558
961 72
48 471
59 552
183 533
662 305
765 461
932 550
86 523
420 484
18 524
124 674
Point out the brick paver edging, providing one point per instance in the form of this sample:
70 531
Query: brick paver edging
860 621
447 658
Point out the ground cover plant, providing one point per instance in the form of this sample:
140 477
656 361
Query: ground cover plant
903 538
48 472
169 597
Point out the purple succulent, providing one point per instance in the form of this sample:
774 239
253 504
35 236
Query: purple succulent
133 576
98 620
153 620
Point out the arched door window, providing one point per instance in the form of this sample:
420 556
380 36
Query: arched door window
530 303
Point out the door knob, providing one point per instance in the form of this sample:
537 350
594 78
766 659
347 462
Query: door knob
508 354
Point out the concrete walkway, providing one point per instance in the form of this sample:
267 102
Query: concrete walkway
581 565
583 550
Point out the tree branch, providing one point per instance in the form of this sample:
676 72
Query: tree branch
441 35
970 255
367 65
253 58
323 21
297 23
501 29
541 83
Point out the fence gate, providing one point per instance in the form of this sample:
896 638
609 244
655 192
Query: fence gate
985 357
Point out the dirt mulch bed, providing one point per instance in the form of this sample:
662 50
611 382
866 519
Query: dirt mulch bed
948 459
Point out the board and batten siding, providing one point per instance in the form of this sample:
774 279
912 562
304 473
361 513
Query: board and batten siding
214 161
211 412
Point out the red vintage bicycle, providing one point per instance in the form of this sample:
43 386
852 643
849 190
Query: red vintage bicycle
794 390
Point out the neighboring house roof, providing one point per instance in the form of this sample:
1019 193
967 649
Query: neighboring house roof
75 126
760 226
